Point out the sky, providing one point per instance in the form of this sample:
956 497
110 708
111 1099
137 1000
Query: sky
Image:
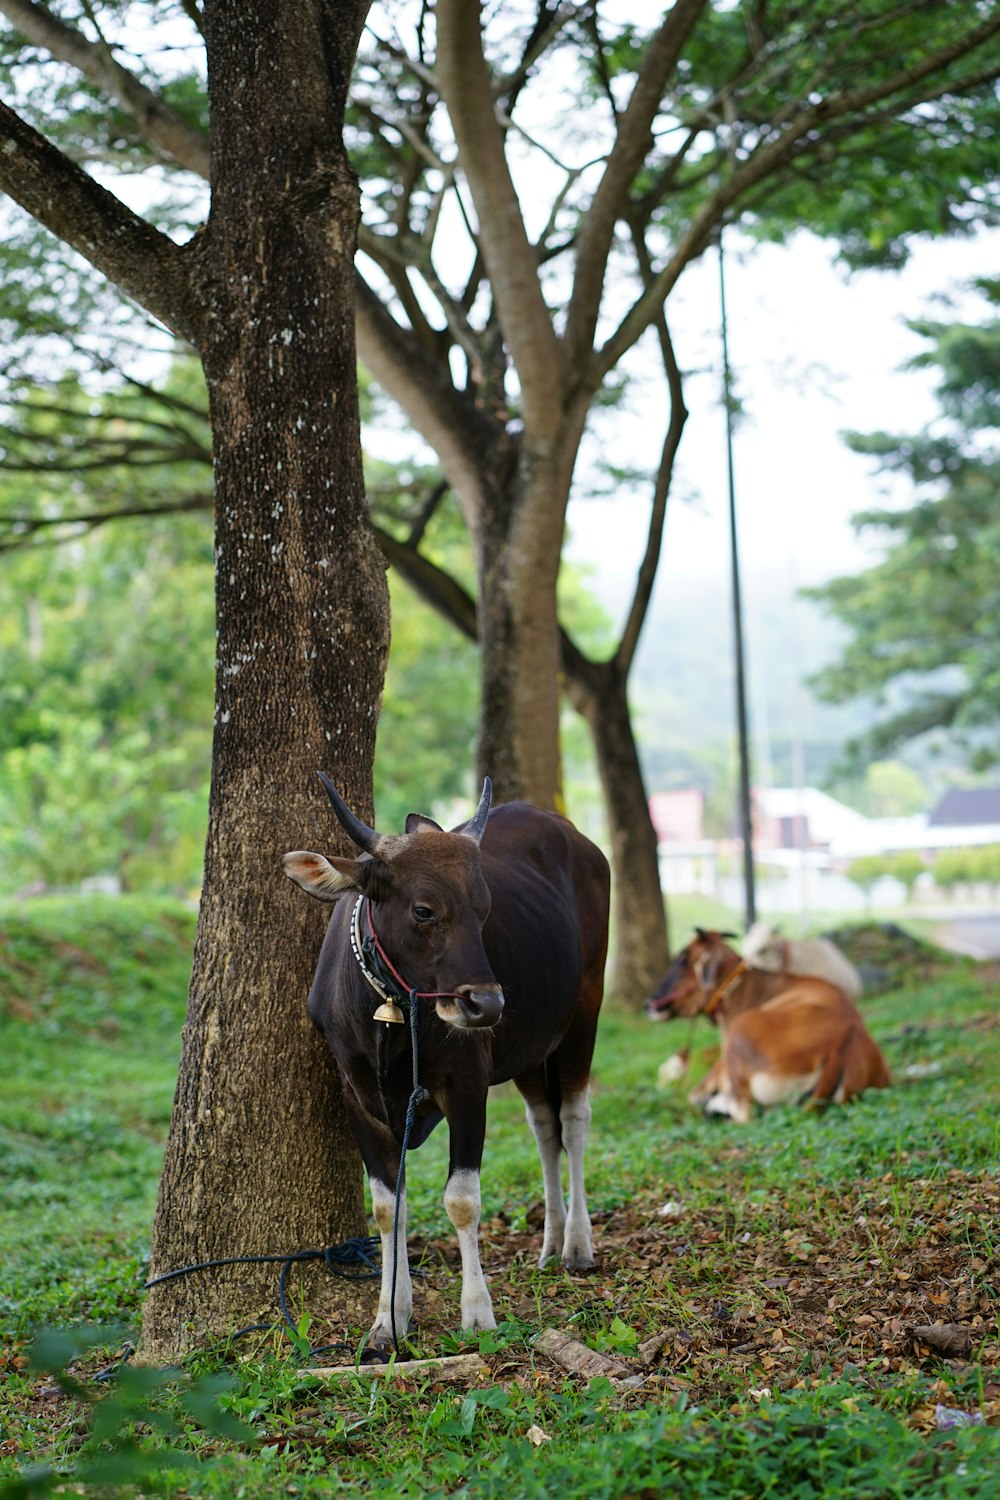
814 351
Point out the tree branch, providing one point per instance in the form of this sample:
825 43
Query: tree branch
762 163
633 141
466 86
436 587
141 261
159 122
421 386
455 605
390 255
18 532
549 21
646 576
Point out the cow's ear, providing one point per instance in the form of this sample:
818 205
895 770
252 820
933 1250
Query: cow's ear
326 879
415 821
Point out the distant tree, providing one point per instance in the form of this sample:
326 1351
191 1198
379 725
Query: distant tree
106 707
887 789
977 865
906 866
950 869
866 871
140 454
924 622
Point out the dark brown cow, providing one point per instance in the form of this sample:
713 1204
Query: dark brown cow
784 1036
497 931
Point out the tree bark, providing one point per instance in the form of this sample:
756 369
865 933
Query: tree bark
519 636
259 1160
639 945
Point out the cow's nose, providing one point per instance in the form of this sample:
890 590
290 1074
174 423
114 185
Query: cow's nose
657 1009
481 1007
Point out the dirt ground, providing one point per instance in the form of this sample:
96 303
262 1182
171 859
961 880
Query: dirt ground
724 1316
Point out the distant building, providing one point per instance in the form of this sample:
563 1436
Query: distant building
678 817
799 826
808 821
688 860
961 806
804 818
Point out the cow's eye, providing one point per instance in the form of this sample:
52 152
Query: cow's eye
424 914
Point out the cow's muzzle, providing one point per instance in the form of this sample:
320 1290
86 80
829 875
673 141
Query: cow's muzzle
659 1008
473 1007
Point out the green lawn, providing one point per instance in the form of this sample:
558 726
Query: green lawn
796 1257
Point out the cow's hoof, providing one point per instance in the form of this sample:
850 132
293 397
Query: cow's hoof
380 1345
579 1261
477 1326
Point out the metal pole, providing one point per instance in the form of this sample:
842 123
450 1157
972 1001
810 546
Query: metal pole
746 820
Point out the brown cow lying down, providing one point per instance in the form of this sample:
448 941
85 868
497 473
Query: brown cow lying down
807 1044
783 1036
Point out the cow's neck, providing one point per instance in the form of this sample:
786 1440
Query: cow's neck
724 990
377 968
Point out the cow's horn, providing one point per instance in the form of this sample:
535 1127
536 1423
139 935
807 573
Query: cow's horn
366 838
477 827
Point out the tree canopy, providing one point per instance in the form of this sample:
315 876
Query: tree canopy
923 634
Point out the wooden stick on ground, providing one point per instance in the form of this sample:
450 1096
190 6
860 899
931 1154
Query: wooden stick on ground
577 1358
448 1367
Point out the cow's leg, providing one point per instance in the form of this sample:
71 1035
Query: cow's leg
462 1205
825 1092
380 1153
574 1117
735 1096
467 1132
573 1060
394 1264
715 1081
725 1103
545 1127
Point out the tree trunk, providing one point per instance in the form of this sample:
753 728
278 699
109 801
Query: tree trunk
519 662
259 1160
639 930
519 638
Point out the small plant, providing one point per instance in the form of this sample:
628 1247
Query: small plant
117 1415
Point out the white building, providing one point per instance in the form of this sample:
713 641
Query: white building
807 838
790 823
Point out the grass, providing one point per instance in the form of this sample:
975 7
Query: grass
785 1280
94 993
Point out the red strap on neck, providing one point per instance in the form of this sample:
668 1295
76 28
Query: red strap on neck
724 989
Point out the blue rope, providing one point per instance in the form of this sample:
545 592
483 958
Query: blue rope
356 1251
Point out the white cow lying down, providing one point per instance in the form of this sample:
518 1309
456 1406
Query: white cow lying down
765 948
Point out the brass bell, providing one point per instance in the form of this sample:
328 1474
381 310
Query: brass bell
390 1013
